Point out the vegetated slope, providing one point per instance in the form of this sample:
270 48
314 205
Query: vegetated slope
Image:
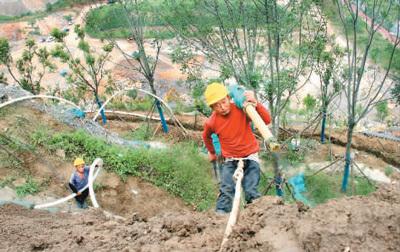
52 170
360 223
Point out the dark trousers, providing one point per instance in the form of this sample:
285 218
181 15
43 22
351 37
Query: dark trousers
82 197
250 183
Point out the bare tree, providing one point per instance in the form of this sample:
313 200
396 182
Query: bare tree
357 56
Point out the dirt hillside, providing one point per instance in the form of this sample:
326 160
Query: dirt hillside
356 223
18 7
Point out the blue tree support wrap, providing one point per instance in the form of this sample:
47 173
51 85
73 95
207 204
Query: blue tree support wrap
162 118
103 114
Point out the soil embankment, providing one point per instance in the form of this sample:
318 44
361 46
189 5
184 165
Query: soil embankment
357 223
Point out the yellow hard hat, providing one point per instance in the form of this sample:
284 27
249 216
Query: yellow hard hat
79 161
215 92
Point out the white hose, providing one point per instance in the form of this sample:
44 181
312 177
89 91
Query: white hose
238 176
35 97
98 162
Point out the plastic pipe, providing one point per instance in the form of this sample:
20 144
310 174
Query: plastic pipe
238 176
92 176
35 97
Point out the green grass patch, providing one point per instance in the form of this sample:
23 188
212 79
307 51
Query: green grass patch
142 133
6 19
389 170
7 181
178 169
142 104
322 187
30 187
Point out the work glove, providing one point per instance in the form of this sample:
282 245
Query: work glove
273 145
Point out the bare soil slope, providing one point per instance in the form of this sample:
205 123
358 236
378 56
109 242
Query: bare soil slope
18 7
359 223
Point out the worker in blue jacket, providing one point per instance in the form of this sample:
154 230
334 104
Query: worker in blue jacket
79 179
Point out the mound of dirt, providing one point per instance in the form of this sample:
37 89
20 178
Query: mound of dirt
356 223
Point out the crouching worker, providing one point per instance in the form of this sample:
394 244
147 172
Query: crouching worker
237 140
79 179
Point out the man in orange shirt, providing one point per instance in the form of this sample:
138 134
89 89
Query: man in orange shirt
237 140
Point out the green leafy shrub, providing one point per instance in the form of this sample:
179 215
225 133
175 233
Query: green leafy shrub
30 187
382 109
6 181
388 171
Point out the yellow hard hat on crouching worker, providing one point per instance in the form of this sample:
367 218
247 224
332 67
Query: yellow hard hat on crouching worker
78 161
215 92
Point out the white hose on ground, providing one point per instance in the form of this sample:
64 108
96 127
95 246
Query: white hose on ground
238 176
98 162
36 97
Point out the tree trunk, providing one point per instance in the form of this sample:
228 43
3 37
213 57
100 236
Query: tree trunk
323 125
275 126
347 158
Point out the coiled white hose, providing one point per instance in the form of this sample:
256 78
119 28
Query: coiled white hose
97 163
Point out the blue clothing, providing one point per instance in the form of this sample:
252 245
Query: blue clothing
216 144
79 182
250 183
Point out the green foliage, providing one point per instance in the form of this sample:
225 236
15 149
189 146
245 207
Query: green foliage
6 181
58 34
382 109
112 21
88 75
68 18
30 72
4 51
5 19
178 169
389 170
30 187
295 157
309 102
98 186
141 133
396 90
40 136
141 104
